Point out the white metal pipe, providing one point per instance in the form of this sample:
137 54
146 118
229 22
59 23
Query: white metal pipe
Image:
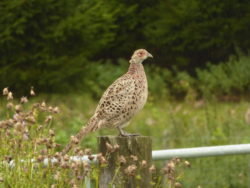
171 153
201 151
208 151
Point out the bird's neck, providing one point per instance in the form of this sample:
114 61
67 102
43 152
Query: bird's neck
135 67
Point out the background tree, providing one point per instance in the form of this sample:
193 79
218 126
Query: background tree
52 45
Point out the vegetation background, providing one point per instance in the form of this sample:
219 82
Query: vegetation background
199 79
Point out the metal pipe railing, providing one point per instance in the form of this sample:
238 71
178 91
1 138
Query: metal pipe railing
201 151
208 151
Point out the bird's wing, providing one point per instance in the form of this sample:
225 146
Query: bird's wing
117 97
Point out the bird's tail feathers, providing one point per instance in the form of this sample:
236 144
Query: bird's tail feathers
91 126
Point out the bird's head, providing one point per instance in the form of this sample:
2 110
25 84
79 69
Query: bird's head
140 55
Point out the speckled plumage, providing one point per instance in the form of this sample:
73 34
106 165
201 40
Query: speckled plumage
121 101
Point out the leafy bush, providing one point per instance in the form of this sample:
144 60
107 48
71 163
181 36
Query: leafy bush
227 78
49 44
189 33
100 75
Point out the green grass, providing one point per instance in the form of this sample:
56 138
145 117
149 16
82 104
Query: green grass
171 125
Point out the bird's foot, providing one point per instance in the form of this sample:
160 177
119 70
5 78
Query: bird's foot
124 133
130 134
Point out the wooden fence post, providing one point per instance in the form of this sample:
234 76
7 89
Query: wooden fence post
134 170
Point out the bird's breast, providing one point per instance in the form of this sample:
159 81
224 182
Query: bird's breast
142 91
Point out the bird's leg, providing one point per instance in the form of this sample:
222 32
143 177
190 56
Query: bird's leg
124 133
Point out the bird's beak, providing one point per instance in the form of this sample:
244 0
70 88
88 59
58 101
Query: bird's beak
150 55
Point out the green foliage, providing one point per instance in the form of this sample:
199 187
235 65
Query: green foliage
47 44
195 31
226 78
231 78
100 75
52 44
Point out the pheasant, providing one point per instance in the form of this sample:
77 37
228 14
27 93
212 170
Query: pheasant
120 102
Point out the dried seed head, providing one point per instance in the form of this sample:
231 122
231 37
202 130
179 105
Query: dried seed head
23 100
177 160
87 151
43 105
109 147
39 127
169 169
131 170
171 165
19 126
77 149
86 165
177 185
187 163
50 144
48 119
25 137
50 108
9 122
152 169
122 160
30 119
57 155
64 164
53 186
101 158
81 153
66 157
40 158
91 157
9 105
32 93
8 158
5 91
144 164
10 96
74 140
73 166
51 132
55 110
134 157
18 108
39 141
116 147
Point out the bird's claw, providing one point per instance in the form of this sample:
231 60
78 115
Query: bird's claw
125 134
